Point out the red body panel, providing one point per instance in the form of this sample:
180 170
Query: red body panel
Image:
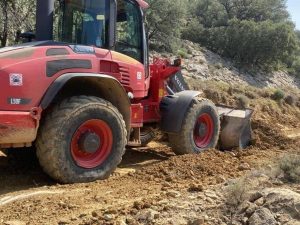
30 66
160 71
17 129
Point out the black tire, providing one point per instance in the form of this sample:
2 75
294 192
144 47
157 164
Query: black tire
184 142
56 135
147 135
19 153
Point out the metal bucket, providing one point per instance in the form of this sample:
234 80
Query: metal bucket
235 127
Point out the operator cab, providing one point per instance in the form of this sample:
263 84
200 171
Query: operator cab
111 24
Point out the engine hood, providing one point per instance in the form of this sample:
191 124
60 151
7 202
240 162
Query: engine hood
24 52
25 45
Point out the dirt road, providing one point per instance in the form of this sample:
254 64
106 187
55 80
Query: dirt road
151 186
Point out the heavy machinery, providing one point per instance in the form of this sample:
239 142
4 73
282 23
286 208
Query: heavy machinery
83 90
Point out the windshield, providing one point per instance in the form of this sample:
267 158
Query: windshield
83 22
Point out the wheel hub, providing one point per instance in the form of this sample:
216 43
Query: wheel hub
89 142
202 129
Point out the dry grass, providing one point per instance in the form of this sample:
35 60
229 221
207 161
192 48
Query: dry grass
237 193
290 168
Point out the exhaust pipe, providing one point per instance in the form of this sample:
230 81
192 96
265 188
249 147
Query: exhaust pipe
44 20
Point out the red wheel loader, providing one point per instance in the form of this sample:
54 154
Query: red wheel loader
84 89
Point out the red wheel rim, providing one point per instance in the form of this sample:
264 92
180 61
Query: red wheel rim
203 130
90 160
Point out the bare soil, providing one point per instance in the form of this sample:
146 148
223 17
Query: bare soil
150 178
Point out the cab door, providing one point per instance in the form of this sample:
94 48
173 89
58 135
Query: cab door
131 43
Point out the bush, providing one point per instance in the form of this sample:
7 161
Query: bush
243 101
193 31
237 193
164 22
182 53
278 95
290 167
296 66
267 40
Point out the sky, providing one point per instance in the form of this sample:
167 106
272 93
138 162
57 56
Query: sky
294 9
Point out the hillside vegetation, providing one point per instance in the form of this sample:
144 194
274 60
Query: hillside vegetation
252 32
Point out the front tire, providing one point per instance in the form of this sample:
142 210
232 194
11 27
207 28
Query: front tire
200 129
82 139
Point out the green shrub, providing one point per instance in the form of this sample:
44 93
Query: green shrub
165 21
296 66
193 31
182 53
278 95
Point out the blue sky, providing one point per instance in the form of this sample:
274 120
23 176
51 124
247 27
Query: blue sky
294 9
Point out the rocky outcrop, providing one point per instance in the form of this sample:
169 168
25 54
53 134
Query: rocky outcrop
262 216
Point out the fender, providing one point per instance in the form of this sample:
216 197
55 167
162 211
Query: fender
174 108
104 86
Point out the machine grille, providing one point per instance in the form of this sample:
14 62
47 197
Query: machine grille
125 75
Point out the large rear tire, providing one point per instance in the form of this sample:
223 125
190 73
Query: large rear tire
200 129
82 139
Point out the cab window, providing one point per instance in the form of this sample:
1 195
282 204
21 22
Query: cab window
83 22
129 30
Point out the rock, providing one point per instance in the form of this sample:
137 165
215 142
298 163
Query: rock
96 213
243 207
173 194
283 218
251 209
111 211
291 100
195 188
211 195
63 221
131 221
15 222
255 196
147 215
293 222
196 221
245 221
175 221
82 215
244 166
108 217
210 201
220 179
120 222
260 202
262 216
282 200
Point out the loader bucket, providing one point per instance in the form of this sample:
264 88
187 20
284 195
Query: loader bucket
235 128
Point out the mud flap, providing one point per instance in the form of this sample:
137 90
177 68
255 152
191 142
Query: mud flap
235 128
173 110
